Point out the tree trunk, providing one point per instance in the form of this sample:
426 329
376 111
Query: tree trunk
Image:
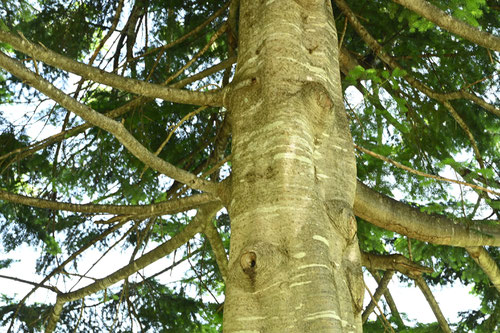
294 257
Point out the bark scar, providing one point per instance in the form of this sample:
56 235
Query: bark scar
248 262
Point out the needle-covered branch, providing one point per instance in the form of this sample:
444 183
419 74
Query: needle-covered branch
110 125
487 264
38 285
160 208
61 266
385 57
116 81
423 174
185 36
448 22
393 215
119 111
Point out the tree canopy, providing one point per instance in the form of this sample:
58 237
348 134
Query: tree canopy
134 93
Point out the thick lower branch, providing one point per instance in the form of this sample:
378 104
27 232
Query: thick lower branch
393 215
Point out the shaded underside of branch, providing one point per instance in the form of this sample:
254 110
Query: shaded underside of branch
393 215
395 262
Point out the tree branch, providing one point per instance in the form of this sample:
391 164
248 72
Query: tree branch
448 22
433 304
487 264
63 264
110 125
98 75
382 287
423 174
390 301
38 285
379 52
159 252
217 247
393 215
116 19
187 35
393 262
119 111
160 208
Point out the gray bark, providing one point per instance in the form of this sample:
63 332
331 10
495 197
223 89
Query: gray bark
294 259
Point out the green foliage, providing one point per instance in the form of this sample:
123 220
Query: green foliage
392 118
397 121
5 263
30 317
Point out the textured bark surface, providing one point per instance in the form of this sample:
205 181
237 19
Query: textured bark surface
294 258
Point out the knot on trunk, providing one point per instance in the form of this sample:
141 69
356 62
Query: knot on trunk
248 262
257 265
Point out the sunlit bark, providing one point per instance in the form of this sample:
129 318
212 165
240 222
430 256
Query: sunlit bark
294 259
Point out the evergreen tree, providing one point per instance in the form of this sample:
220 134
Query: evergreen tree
260 142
